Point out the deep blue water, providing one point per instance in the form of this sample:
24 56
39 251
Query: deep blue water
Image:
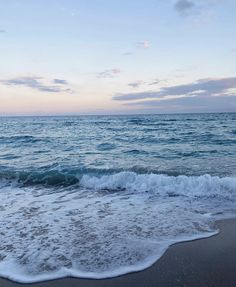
99 196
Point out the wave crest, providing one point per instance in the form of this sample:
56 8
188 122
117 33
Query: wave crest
204 185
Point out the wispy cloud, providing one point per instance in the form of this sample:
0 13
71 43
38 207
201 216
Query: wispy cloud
2 31
38 83
143 44
184 7
60 81
155 82
139 83
136 84
109 73
202 87
140 45
128 54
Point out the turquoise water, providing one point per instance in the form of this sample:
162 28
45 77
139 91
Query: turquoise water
100 196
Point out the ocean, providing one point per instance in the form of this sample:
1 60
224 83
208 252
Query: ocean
101 196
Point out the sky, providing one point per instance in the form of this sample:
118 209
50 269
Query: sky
71 57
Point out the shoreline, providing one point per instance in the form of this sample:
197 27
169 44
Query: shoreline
208 261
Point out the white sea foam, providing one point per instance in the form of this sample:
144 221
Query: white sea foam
107 226
204 185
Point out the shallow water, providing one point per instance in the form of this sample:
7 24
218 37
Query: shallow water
100 196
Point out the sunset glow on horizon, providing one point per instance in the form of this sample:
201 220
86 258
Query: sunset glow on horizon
117 57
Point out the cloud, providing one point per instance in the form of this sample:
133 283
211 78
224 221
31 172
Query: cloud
143 44
135 96
183 7
37 83
189 104
136 84
202 10
155 82
110 73
128 54
60 81
2 31
209 86
202 87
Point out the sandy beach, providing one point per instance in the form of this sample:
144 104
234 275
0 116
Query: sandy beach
205 262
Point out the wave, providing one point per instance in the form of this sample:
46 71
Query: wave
20 275
198 186
43 177
106 146
137 179
22 139
105 225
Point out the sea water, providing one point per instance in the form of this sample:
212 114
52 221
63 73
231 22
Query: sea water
100 196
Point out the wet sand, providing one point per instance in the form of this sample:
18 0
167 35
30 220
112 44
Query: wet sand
209 262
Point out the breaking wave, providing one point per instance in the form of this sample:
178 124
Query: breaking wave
105 225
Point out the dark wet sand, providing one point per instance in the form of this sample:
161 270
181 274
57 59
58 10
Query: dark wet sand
209 262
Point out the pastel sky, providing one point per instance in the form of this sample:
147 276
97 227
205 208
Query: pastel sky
117 57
